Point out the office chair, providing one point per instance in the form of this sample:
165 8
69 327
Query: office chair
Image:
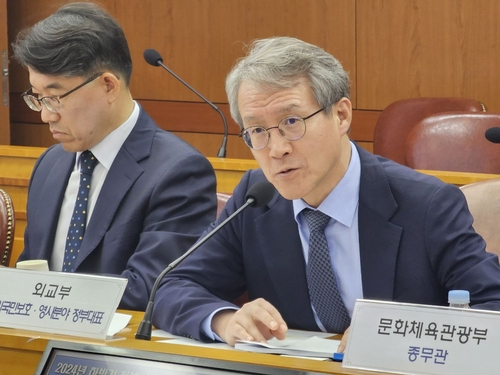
483 199
7 226
454 141
222 198
397 119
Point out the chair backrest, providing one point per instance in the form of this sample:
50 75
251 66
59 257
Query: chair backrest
222 198
454 141
483 199
7 226
397 119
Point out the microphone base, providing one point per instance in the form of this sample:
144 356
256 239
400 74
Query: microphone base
144 331
221 153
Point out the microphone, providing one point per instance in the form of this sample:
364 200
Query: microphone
154 58
493 134
258 195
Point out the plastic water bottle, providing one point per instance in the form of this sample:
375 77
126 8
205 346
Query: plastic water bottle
459 299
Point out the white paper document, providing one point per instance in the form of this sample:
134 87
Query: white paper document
309 347
119 322
296 344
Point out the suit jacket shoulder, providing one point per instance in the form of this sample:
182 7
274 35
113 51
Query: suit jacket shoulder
156 200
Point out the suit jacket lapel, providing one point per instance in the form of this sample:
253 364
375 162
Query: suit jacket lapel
124 171
378 242
50 198
378 238
281 247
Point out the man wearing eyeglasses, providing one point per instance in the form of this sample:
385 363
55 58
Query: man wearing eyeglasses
346 224
117 196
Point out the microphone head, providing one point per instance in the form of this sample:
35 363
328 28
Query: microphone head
261 192
493 134
152 57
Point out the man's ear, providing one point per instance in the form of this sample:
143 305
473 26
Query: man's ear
343 110
112 86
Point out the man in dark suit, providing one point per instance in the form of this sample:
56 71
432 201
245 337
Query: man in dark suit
149 195
390 233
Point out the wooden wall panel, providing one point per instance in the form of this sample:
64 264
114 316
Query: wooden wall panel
209 144
417 48
196 123
392 49
200 40
4 82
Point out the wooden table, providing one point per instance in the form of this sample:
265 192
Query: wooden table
20 351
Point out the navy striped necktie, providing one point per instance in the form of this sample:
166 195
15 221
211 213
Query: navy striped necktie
321 280
79 218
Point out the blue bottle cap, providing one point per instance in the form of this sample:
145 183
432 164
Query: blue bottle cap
458 296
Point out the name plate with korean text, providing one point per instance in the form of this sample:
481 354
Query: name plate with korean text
58 302
419 339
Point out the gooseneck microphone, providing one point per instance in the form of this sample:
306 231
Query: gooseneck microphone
154 58
258 195
493 134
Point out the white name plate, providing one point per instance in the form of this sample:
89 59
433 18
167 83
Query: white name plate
58 302
419 339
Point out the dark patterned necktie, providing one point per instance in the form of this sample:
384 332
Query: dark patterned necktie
322 284
79 219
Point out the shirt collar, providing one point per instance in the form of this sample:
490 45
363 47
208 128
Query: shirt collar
106 150
343 200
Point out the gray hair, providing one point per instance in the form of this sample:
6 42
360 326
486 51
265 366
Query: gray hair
278 63
78 40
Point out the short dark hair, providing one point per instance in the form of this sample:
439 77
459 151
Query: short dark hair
78 40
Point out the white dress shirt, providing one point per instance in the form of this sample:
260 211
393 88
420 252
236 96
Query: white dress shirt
105 151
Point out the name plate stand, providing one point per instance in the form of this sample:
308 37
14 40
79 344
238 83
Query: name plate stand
420 339
59 302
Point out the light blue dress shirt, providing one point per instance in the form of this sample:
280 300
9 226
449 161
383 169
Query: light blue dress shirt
342 236
341 233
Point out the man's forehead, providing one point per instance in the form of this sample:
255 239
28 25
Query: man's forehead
267 87
280 111
41 81
283 100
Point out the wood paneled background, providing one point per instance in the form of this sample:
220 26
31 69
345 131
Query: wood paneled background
4 81
392 49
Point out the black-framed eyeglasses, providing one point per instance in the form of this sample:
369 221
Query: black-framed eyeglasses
291 128
52 103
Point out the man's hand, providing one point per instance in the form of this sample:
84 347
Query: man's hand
343 342
255 321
